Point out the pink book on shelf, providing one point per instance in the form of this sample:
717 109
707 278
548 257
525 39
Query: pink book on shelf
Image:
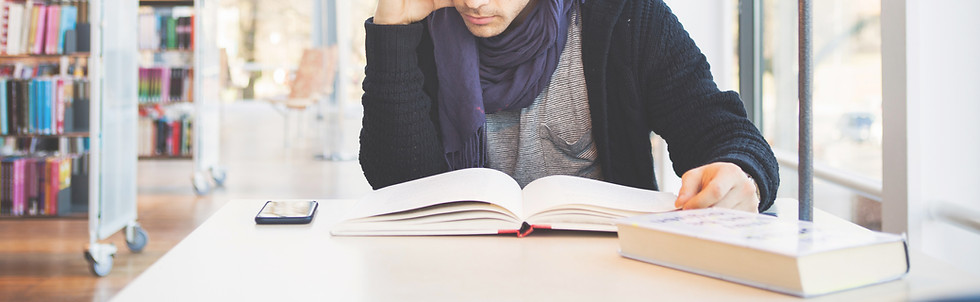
51 29
165 85
17 192
38 47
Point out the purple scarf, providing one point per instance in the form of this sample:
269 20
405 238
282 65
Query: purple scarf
488 75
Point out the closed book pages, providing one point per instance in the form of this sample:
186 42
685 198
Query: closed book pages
787 256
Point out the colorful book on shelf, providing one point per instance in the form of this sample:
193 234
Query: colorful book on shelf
37 28
788 256
69 16
4 118
6 203
487 201
25 30
15 21
51 29
4 25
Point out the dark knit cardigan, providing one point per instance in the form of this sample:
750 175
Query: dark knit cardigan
643 73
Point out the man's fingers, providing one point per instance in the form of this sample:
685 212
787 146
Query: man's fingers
711 193
690 186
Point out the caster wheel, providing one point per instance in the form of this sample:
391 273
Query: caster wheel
99 268
201 184
139 240
219 176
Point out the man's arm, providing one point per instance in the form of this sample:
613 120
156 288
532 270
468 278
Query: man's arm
705 128
399 140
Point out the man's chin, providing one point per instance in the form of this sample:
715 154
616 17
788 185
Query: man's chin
484 31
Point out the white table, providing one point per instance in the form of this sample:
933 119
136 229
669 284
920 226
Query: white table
230 258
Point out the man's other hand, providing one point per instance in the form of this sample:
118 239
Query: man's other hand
391 12
722 185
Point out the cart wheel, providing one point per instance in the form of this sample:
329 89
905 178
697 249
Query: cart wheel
99 268
201 184
219 176
139 240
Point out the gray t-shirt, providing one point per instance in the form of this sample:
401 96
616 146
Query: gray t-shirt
553 136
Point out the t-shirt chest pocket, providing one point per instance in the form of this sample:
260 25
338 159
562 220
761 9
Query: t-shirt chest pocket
572 139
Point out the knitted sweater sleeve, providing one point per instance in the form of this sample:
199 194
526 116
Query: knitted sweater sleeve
399 140
700 123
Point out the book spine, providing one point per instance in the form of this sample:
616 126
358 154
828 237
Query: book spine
38 29
54 184
51 29
4 119
4 26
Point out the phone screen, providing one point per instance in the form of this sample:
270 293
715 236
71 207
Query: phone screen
286 212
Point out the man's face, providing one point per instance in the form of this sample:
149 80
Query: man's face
488 18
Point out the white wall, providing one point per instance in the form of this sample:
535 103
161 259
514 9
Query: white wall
711 23
941 159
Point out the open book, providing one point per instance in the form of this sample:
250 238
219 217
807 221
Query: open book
486 201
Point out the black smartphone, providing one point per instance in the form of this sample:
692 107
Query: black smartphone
286 212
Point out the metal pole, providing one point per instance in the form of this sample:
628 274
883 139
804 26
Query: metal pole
750 58
806 122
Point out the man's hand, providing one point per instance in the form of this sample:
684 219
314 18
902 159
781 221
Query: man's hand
391 12
722 185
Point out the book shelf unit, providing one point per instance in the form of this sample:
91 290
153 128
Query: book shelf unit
178 98
61 124
166 80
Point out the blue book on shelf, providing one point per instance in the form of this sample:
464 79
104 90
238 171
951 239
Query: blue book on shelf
69 14
46 106
3 107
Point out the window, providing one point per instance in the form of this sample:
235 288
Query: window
846 82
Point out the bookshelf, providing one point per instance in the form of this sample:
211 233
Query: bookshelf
62 122
166 80
178 98
45 93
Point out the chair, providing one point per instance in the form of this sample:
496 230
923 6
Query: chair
312 80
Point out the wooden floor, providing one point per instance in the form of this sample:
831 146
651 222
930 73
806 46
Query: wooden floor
41 259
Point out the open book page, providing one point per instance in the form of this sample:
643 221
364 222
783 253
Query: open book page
570 202
483 185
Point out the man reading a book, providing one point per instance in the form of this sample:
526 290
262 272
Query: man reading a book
542 87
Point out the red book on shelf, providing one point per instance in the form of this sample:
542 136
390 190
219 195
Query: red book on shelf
59 109
175 138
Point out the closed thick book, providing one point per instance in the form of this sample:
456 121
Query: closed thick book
487 201
787 256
